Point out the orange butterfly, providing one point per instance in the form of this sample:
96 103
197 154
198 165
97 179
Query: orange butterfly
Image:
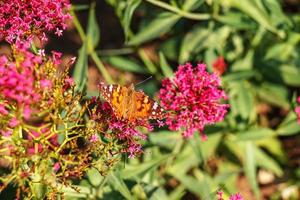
129 104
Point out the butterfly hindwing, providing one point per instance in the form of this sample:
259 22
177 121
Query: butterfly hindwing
146 108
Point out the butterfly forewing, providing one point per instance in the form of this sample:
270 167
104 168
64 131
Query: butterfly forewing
115 95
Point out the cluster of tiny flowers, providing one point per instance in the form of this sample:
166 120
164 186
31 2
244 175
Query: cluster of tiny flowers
39 105
21 20
17 81
126 133
192 99
237 196
297 110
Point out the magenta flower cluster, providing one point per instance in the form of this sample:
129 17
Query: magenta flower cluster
193 99
18 81
22 19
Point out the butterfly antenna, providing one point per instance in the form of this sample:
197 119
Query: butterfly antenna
143 81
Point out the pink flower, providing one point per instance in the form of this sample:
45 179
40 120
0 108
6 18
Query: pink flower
297 110
3 110
27 112
22 20
192 98
13 122
220 195
45 83
72 60
94 138
58 32
41 52
236 197
56 167
7 133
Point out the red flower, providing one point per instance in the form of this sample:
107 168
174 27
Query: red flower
219 65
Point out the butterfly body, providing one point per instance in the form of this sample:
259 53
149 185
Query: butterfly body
129 104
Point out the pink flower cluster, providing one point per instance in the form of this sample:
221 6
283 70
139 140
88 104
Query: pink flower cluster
22 19
18 81
297 110
121 130
192 98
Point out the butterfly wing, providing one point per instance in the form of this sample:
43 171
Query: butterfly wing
116 96
145 107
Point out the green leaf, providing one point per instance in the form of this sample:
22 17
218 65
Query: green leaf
192 40
78 7
267 162
238 75
158 26
274 94
291 127
244 100
290 75
255 134
131 5
236 20
250 167
125 64
165 67
94 177
255 11
140 169
191 5
93 31
165 139
81 68
116 181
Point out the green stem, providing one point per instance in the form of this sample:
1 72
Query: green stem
101 67
113 52
78 25
182 13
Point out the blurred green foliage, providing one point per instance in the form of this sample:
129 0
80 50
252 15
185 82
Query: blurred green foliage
259 40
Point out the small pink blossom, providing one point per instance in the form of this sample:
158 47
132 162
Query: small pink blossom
41 52
297 110
56 167
220 195
58 32
94 138
192 98
237 196
13 122
56 57
3 110
73 59
45 83
6 133
27 112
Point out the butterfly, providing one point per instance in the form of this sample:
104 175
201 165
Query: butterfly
129 104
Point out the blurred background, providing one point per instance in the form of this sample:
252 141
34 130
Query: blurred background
252 44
